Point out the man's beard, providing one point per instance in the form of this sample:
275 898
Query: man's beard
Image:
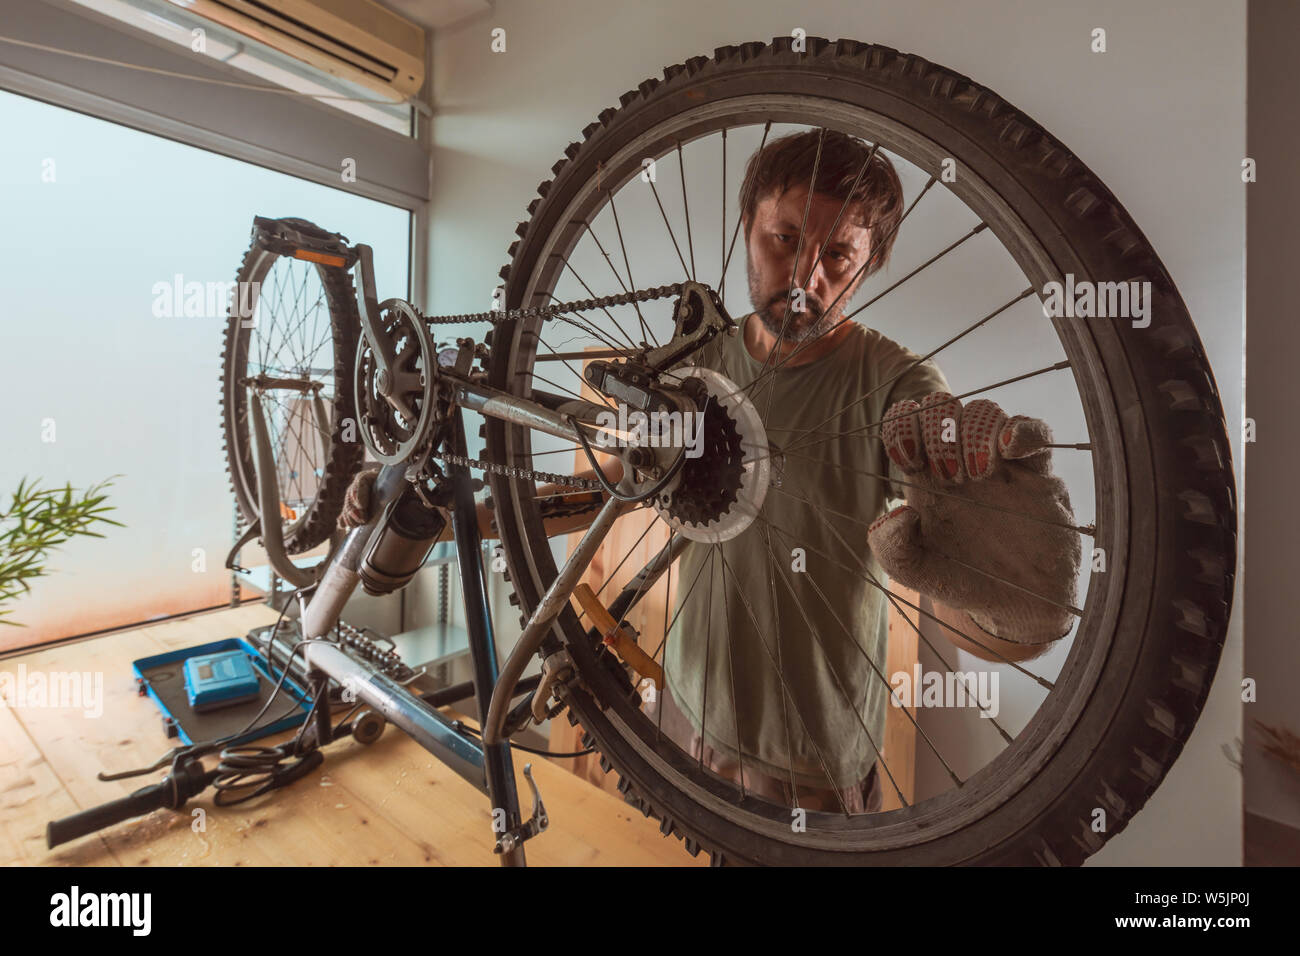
799 326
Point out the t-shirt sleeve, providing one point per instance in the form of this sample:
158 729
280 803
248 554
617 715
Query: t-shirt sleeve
909 378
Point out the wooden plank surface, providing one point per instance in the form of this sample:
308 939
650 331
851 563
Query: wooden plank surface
388 804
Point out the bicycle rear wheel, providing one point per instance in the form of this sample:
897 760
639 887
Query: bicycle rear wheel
1135 671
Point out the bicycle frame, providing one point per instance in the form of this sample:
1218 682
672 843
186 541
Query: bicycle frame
486 764
325 590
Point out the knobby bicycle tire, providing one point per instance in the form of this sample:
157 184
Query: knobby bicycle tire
1165 623
317 522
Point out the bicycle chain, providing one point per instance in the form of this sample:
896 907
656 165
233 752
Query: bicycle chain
500 316
514 471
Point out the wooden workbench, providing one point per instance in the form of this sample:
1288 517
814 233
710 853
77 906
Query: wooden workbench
387 804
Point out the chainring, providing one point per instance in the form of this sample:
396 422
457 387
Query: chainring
394 429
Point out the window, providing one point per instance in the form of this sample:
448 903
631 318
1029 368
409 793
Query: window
96 216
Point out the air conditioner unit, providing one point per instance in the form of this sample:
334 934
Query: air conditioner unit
355 40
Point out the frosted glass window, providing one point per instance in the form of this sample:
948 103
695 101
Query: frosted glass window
94 215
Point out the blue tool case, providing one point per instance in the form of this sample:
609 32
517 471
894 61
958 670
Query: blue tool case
213 691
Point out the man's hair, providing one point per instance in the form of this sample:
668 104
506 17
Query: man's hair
788 161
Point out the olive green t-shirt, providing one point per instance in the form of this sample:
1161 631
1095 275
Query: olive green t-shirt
734 648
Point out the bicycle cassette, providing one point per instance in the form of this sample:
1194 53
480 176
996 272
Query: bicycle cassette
722 488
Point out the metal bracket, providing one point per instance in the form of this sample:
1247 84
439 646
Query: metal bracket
557 668
535 824
700 316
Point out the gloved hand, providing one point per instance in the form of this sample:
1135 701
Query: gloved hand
955 460
356 501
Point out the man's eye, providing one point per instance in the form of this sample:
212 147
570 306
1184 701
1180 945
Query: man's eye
783 236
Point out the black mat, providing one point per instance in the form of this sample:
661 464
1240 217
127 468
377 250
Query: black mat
168 682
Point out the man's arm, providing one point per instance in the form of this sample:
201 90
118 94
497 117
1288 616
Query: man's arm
946 532
613 469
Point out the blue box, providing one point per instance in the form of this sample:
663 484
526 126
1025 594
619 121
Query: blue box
219 680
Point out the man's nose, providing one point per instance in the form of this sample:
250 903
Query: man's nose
811 270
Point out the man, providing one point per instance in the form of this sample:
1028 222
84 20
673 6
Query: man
785 634
775 667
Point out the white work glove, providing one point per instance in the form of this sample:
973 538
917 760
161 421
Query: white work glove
933 543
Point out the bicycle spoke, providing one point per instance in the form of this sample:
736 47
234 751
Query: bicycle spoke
708 641
726 262
821 757
866 429
582 612
555 451
735 712
838 216
785 709
948 494
686 208
645 329
569 391
659 700
278 456
876 298
851 284
576 373
681 606
777 453
685 268
892 692
1042 681
794 270
839 683
591 329
1011 584
894 601
889 381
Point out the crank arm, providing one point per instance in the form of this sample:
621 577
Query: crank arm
368 310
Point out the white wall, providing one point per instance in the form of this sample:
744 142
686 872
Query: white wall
1159 117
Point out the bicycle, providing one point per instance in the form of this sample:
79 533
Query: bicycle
1134 671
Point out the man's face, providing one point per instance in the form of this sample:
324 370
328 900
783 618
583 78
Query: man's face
771 238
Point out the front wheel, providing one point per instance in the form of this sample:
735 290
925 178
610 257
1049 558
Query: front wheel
292 333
